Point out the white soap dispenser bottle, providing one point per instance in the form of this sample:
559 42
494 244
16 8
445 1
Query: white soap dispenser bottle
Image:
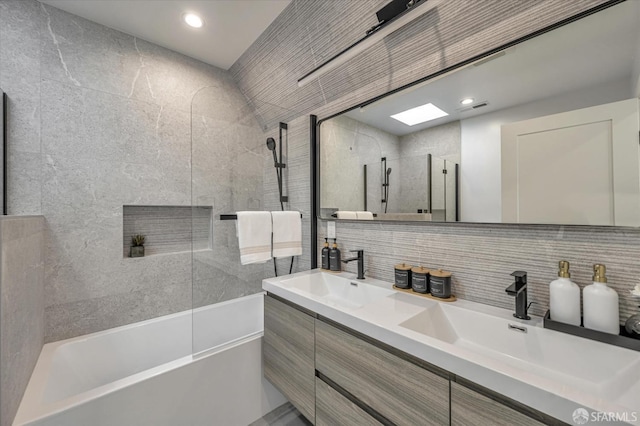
601 310
564 297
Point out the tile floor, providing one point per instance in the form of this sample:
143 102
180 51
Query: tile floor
285 415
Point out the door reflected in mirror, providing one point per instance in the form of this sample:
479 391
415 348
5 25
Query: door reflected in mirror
543 132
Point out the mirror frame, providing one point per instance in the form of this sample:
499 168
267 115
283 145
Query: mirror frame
315 123
4 103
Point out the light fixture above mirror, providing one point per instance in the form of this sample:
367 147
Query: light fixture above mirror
410 11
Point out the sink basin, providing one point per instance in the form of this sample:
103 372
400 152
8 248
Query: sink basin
605 370
335 290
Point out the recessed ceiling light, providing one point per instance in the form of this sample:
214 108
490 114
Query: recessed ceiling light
193 20
466 101
419 114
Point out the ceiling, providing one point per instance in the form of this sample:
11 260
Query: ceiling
231 26
597 49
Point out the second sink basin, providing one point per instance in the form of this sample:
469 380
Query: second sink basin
336 290
603 369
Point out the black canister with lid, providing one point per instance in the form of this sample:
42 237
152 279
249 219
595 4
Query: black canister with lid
440 283
403 275
420 279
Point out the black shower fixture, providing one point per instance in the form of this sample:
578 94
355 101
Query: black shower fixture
271 146
386 189
386 171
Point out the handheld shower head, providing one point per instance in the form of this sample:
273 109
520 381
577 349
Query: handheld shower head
388 171
271 146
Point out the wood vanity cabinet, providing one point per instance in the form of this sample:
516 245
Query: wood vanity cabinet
361 381
401 391
471 408
332 408
288 354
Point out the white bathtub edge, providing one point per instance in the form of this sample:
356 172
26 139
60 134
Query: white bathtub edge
32 409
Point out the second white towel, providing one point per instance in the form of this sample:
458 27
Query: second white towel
287 234
344 214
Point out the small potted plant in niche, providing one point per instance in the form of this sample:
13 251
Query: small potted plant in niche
137 245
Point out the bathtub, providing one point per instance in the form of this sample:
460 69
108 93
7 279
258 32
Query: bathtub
163 371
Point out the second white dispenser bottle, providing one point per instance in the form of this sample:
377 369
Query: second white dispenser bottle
600 304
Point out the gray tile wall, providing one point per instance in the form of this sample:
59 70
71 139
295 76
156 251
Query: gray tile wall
21 307
99 119
480 256
308 32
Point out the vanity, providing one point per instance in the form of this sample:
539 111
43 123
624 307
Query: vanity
347 351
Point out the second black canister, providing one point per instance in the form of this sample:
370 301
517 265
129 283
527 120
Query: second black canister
420 279
403 275
440 283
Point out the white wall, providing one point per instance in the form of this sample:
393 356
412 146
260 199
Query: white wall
480 185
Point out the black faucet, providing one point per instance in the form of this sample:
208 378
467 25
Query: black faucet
519 290
360 259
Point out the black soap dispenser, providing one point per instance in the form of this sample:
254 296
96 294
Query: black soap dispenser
325 254
334 257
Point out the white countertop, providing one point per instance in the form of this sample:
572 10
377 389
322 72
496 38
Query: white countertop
381 320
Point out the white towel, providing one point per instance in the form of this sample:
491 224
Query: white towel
287 234
254 237
344 214
364 215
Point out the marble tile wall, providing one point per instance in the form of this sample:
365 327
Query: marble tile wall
21 307
100 119
480 256
229 152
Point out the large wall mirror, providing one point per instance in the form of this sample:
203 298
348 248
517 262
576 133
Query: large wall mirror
543 132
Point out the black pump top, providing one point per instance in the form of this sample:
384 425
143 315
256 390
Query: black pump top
521 277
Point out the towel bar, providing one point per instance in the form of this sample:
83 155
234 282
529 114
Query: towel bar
234 216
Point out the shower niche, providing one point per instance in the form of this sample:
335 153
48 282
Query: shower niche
167 229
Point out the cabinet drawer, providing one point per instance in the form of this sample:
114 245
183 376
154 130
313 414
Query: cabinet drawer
334 409
400 390
469 407
288 354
